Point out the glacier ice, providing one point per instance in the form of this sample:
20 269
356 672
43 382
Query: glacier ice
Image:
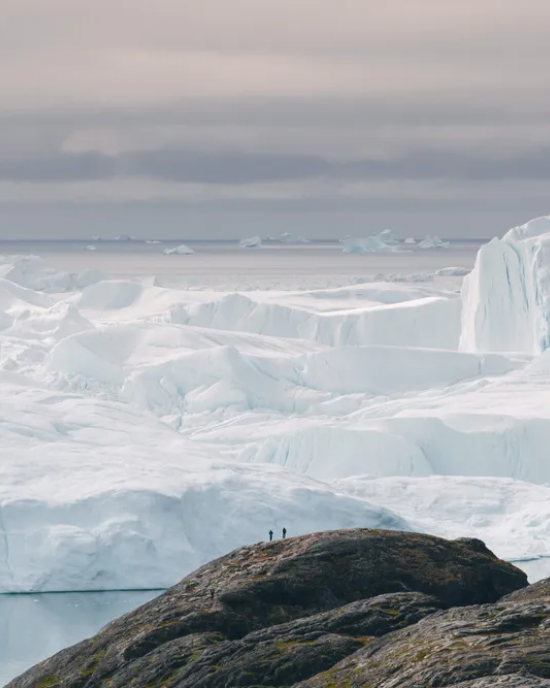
33 272
148 429
139 506
506 297
452 272
511 514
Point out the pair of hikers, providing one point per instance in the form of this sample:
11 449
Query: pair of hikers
271 534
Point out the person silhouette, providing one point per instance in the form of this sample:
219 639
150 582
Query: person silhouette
284 533
270 535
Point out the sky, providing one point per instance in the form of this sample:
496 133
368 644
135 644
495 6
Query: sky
226 118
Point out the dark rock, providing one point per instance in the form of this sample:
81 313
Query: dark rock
287 611
507 643
537 591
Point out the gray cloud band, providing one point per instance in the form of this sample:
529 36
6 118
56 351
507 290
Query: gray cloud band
241 168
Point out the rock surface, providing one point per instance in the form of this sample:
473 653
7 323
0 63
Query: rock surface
336 609
470 647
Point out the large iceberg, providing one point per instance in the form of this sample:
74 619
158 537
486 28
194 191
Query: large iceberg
506 297
100 497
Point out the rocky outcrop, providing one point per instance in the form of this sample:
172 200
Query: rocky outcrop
502 644
342 608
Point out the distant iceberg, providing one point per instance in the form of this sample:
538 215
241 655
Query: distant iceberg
410 240
251 242
388 237
181 250
288 238
125 237
377 243
152 241
90 247
433 242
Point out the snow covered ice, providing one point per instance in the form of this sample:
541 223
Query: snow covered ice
146 430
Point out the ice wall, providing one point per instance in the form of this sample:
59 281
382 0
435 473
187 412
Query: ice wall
506 297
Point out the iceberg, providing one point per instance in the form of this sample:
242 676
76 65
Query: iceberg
372 244
387 236
288 238
181 250
34 273
251 242
433 242
506 297
90 247
102 497
513 516
410 241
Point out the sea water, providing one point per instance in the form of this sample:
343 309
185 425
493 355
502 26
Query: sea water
221 265
34 627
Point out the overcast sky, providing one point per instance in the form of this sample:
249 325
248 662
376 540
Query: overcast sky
225 118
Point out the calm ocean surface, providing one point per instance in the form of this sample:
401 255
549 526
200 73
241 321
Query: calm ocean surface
227 264
33 627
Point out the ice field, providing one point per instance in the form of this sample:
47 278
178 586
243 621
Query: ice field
145 429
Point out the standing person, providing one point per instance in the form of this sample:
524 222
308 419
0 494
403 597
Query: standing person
284 533
270 535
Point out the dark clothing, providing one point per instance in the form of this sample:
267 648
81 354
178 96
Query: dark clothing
284 533
270 535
